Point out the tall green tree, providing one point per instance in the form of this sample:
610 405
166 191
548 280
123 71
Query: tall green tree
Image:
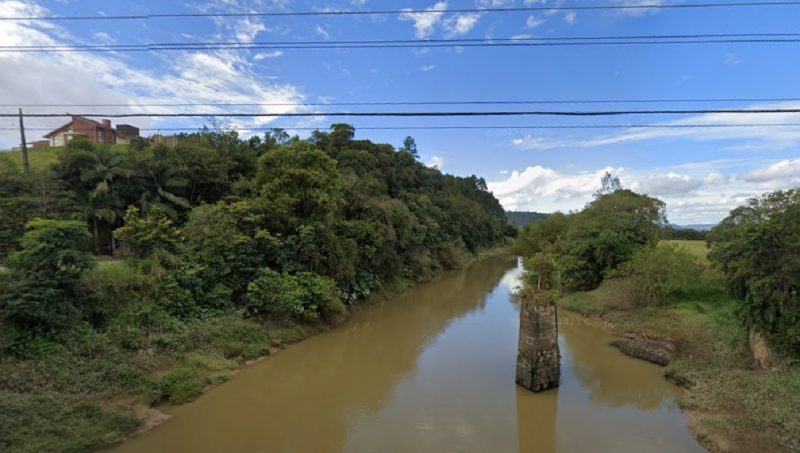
757 246
46 272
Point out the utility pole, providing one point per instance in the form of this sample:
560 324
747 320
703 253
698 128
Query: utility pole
25 165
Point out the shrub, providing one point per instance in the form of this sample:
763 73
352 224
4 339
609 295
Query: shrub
305 296
232 336
46 271
145 235
662 271
451 256
180 385
109 289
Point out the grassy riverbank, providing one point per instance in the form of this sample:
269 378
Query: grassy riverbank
729 405
91 393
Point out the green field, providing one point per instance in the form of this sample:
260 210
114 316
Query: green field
698 248
40 158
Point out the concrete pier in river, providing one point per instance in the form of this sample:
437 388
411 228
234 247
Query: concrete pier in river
538 358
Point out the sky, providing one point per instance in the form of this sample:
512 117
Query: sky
701 173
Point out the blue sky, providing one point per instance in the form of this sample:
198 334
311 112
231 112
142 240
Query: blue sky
700 173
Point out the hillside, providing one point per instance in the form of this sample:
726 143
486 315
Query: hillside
521 218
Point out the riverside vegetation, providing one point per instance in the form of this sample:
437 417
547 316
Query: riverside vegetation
610 263
230 247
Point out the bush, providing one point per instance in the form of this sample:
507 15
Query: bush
232 336
110 288
145 235
305 296
660 272
451 257
180 386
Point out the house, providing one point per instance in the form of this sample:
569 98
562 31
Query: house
97 132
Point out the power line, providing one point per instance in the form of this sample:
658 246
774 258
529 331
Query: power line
404 44
601 7
386 103
417 127
412 114
404 41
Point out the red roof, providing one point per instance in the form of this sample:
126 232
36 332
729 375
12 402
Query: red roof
77 118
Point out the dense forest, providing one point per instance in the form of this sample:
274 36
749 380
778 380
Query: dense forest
145 273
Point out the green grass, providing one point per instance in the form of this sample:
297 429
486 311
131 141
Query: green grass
731 404
697 248
39 158
42 158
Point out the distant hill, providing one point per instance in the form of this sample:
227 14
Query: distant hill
697 226
521 218
696 232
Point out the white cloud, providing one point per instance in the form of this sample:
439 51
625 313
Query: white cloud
695 192
266 55
731 59
547 190
714 179
436 162
460 24
783 174
427 68
79 78
103 38
569 17
531 142
246 30
425 23
640 3
667 184
322 32
533 22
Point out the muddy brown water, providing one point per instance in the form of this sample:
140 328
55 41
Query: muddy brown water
433 371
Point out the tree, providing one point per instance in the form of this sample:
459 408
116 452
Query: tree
608 185
300 182
410 147
757 247
607 233
46 273
97 207
161 192
102 167
148 234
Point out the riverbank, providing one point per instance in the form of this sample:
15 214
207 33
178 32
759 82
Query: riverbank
729 405
95 393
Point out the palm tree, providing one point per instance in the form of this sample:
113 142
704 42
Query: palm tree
103 167
99 206
164 181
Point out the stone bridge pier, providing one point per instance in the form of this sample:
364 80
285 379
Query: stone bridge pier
538 358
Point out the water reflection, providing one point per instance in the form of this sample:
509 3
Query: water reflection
611 380
432 370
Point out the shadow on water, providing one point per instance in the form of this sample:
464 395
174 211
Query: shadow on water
431 370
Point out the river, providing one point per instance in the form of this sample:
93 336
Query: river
432 370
